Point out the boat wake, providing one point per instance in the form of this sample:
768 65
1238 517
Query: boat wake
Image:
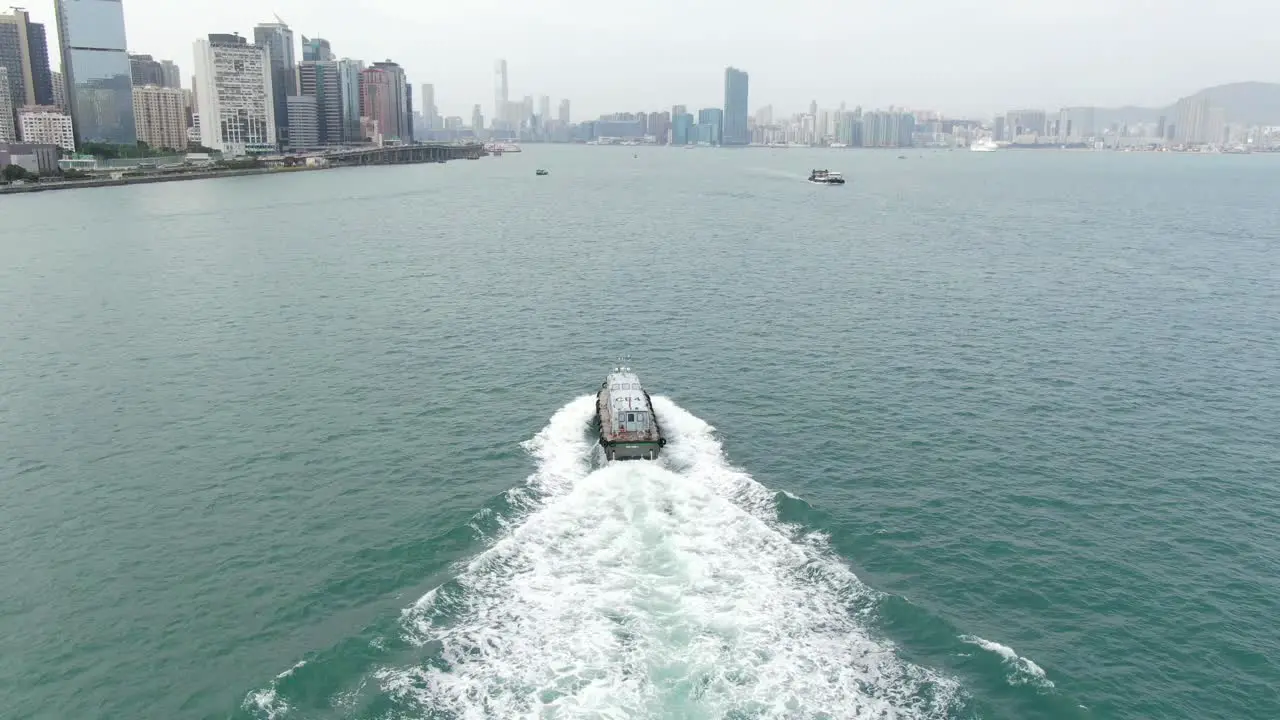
662 589
650 589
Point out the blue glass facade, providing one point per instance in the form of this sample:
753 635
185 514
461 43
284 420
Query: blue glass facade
682 129
97 70
711 126
735 129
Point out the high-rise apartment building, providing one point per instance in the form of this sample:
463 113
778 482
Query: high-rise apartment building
1193 121
95 65
8 133
24 53
60 92
277 39
323 81
735 108
385 99
477 119
46 125
316 50
235 95
161 116
1022 123
1076 124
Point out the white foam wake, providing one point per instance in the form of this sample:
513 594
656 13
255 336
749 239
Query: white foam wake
1022 671
642 589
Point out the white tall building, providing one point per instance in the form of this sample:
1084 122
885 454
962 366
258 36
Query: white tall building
430 115
500 96
45 124
234 94
6 109
160 115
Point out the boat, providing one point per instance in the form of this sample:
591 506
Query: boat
624 415
540 171
986 144
497 147
826 177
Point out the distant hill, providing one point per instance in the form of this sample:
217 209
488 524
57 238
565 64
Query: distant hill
1251 103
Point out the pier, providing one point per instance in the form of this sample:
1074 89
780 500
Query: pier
404 154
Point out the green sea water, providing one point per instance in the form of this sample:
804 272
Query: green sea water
976 435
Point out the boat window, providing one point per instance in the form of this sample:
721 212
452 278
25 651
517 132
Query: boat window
631 417
616 386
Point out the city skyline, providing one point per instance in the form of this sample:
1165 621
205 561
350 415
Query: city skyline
918 57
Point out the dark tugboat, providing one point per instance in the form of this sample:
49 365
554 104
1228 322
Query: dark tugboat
826 177
540 171
628 427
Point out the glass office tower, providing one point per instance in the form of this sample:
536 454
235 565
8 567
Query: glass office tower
98 75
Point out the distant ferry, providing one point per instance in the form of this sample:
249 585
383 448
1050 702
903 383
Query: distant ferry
986 144
826 177
502 147
624 414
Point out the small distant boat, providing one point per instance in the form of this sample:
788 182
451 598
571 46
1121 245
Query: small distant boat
902 157
826 177
540 171
986 144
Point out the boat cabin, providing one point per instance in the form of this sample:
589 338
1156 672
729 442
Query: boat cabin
628 405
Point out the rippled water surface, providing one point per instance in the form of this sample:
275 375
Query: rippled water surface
976 435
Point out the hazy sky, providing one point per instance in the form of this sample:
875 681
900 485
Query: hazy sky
956 56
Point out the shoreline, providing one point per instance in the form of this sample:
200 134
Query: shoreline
147 179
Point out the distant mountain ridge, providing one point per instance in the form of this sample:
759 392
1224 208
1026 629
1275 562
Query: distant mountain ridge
1250 103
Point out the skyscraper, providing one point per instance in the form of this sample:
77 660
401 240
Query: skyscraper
349 72
7 132
234 94
322 80
161 116
429 112
735 108
144 70
500 97
385 100
170 74
711 126
477 119
682 129
60 92
544 109
1025 122
564 111
95 65
277 39
304 122
316 50
24 52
